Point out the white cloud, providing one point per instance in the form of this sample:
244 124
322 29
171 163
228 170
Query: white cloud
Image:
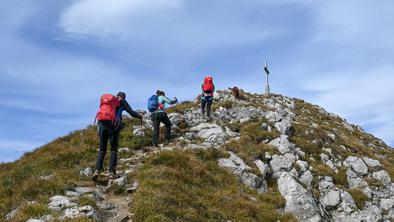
116 18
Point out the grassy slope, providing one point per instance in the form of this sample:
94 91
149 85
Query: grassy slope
182 185
63 159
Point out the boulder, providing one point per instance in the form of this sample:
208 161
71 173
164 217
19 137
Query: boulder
264 168
138 131
282 162
298 200
302 165
87 172
121 181
357 165
370 213
371 162
124 150
35 220
273 117
284 126
382 176
175 118
283 144
84 211
306 178
354 181
331 199
60 202
254 181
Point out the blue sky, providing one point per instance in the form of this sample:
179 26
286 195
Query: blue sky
58 57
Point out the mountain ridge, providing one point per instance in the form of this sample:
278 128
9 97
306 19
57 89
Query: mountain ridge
285 159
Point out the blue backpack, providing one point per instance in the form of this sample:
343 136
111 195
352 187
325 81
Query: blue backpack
153 103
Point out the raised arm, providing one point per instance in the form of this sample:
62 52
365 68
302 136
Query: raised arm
125 105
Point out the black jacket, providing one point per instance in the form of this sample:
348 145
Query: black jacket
124 105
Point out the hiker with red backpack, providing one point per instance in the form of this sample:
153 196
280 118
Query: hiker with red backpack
208 88
110 124
156 105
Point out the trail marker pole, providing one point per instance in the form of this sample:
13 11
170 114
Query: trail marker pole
267 85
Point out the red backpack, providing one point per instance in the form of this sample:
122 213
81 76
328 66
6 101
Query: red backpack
108 105
207 86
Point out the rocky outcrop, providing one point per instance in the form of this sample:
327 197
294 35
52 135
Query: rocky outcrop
240 168
298 200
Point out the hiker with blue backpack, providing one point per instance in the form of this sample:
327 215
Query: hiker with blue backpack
110 124
156 105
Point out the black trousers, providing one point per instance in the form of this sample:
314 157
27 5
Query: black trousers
107 132
206 101
157 118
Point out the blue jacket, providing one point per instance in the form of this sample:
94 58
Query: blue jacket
162 103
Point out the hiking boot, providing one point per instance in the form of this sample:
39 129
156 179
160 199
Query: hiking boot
96 175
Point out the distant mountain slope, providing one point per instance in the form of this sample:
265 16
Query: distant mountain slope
259 159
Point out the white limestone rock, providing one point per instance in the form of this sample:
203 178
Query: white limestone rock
356 164
298 200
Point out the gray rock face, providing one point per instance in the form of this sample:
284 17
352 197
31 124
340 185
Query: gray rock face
284 126
264 168
382 176
303 165
345 209
121 181
273 117
124 150
84 211
298 200
138 131
212 133
387 204
246 113
327 160
87 172
254 181
175 118
283 144
331 199
356 164
370 213
306 178
354 181
282 163
371 162
59 202
35 220
236 164
239 167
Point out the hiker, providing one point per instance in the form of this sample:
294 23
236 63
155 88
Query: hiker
207 95
110 124
235 91
156 105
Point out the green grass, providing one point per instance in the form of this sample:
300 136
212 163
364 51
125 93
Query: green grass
189 186
253 130
182 107
36 210
359 197
63 158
